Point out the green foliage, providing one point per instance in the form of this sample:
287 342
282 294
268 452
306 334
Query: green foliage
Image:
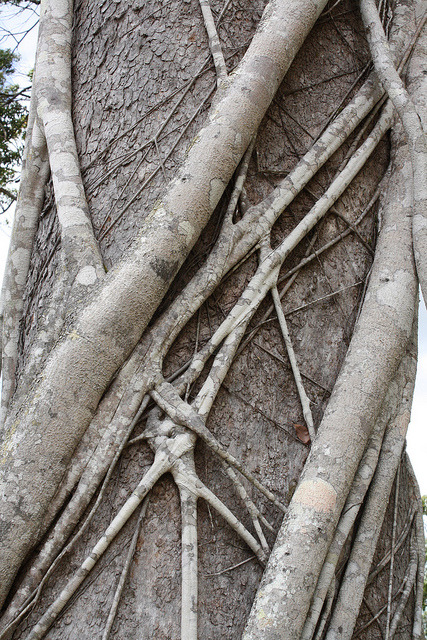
13 120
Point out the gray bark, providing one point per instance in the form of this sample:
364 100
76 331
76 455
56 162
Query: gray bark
61 437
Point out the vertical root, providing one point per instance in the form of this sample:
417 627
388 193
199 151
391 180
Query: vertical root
408 581
393 553
412 125
168 399
354 501
124 573
160 466
214 42
53 87
352 587
305 402
189 563
417 632
34 175
326 611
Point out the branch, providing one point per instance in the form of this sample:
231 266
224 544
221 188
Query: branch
7 193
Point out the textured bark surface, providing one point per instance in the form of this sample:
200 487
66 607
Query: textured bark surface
143 81
110 324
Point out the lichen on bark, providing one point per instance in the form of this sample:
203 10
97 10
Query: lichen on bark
206 192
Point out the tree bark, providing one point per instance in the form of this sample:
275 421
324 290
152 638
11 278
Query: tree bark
201 193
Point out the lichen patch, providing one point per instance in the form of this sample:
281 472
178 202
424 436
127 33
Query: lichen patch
316 494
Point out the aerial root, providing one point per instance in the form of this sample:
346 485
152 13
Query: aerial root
332 442
124 573
220 367
350 511
349 598
78 244
171 454
192 417
417 630
375 617
99 440
240 179
265 249
233 522
407 583
413 127
54 550
160 466
380 566
258 220
305 402
106 230
189 561
29 205
271 271
179 411
52 142
402 593
251 507
311 254
346 122
214 41
392 551
266 274
326 611
186 478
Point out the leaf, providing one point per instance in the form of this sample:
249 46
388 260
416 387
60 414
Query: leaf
302 433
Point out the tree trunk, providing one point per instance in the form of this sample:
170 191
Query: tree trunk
207 440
